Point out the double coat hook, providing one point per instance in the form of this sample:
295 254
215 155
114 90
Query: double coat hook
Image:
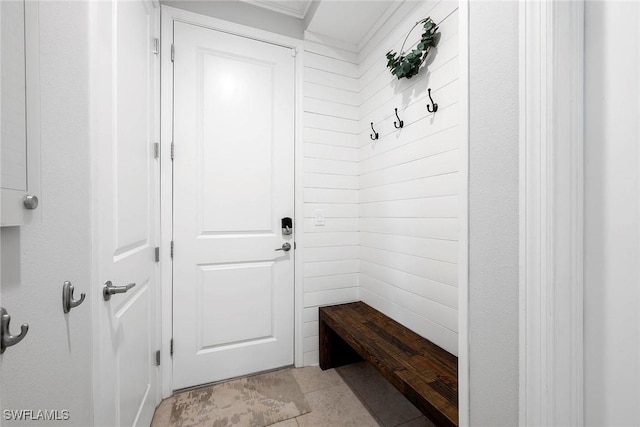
375 135
399 124
67 297
433 107
6 339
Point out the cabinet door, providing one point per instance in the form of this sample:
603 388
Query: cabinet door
19 113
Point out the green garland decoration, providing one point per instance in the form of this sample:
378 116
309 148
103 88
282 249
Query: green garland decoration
408 65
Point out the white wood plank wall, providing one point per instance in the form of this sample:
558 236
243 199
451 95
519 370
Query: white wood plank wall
409 181
391 229
331 123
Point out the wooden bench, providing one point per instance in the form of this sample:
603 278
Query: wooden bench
425 373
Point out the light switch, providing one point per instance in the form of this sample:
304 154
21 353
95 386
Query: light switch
318 220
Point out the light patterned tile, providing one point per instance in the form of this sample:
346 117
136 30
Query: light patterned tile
336 406
418 422
386 403
313 378
356 370
291 422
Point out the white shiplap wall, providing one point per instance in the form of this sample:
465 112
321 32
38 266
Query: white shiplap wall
391 206
331 123
409 181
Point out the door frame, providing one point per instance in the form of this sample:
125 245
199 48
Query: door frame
551 213
463 220
168 16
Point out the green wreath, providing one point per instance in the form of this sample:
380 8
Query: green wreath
408 65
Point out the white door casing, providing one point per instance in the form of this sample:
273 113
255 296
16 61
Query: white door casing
551 213
233 293
124 120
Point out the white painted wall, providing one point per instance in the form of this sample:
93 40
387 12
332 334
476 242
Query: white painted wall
612 214
51 367
493 213
409 181
330 167
390 207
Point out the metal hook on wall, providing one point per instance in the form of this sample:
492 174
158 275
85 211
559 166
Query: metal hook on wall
399 124
375 135
6 339
429 107
67 297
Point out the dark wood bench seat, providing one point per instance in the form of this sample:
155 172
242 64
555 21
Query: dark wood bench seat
425 373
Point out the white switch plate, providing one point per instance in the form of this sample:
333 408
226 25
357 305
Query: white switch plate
318 220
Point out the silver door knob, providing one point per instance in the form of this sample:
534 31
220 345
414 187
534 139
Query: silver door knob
286 246
109 289
30 202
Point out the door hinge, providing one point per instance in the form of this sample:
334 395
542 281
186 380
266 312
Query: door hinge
172 249
173 53
156 150
157 254
156 46
171 348
158 358
172 150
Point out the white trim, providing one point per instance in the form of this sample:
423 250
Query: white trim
329 41
157 186
463 239
168 16
298 10
299 209
551 213
95 39
166 210
380 23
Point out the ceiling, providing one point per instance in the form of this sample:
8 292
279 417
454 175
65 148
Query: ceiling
345 20
295 8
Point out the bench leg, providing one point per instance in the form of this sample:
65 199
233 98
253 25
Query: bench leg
334 351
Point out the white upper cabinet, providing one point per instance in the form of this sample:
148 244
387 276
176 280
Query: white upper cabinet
19 113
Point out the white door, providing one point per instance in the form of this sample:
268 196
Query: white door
126 188
233 183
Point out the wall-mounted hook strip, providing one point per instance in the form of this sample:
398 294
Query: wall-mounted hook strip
375 135
435 106
399 124
6 339
67 297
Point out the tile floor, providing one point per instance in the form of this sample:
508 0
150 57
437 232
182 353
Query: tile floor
386 404
352 396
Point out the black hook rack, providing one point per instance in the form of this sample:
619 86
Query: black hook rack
374 136
429 107
399 124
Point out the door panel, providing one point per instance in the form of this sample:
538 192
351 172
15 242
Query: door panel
222 302
233 182
127 187
237 197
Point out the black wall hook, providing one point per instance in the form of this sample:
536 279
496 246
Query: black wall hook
399 124
374 136
435 106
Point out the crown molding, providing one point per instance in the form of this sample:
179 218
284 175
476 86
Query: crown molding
287 7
